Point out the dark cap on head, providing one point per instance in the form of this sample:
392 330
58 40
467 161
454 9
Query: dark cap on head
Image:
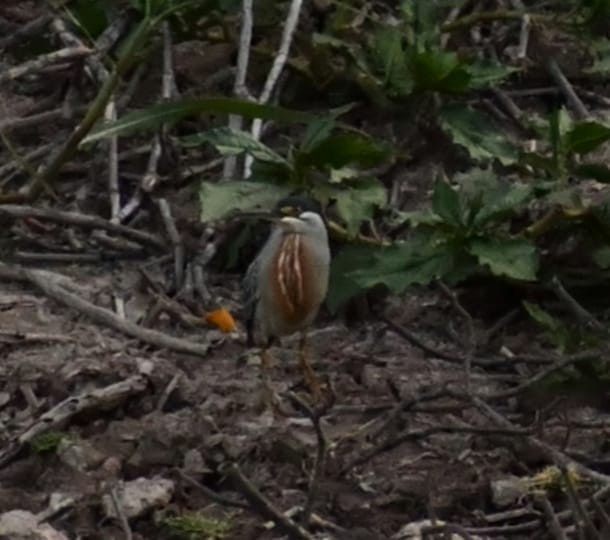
295 205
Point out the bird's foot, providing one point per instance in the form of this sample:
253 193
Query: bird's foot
321 391
269 399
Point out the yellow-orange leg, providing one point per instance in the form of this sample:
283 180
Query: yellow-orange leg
309 374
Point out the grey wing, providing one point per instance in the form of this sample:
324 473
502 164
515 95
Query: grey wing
250 297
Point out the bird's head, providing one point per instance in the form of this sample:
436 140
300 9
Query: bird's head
295 206
308 223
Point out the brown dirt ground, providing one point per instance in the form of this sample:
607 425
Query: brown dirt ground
213 413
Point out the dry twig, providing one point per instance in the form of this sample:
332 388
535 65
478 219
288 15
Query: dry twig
52 289
260 504
99 399
118 508
318 468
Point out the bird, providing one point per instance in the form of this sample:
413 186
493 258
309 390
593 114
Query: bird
286 283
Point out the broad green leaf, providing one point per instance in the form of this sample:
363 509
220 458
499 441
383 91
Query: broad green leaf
231 142
586 137
344 149
485 73
417 217
542 317
440 71
446 203
345 173
417 261
423 18
218 200
358 203
514 258
595 171
342 287
505 200
601 256
538 162
475 132
89 16
390 55
269 172
601 49
556 329
156 115
316 132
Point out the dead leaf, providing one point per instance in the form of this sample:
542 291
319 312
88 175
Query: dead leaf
222 319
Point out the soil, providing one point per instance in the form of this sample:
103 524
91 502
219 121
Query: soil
213 413
410 433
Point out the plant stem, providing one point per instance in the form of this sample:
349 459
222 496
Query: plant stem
95 111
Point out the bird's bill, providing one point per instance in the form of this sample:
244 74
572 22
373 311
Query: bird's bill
262 214
288 221
270 215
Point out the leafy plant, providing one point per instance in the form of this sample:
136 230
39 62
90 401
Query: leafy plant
327 165
196 526
477 134
464 231
47 443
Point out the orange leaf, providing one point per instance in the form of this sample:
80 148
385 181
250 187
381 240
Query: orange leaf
222 319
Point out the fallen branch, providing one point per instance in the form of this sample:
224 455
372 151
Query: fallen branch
210 494
104 398
35 26
552 455
567 89
104 316
318 468
82 220
69 53
262 505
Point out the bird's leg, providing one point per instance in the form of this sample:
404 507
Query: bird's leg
309 374
269 396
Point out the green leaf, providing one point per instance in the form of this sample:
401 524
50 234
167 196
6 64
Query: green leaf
446 203
439 71
486 198
586 137
89 16
541 316
514 258
316 132
218 200
153 117
595 171
417 261
475 132
485 73
321 128
556 329
601 49
390 55
344 149
538 162
337 176
417 217
490 198
358 203
341 286
601 256
231 142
